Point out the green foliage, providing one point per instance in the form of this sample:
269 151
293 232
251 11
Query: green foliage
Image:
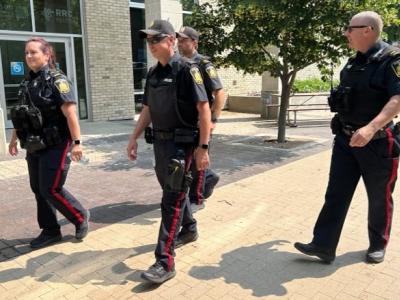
312 85
281 37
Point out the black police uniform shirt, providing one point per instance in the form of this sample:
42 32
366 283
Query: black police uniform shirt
211 78
49 90
373 83
189 88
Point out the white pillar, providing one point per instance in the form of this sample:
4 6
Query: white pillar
2 134
270 90
170 10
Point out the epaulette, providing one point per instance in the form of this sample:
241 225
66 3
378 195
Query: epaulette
388 52
205 61
54 73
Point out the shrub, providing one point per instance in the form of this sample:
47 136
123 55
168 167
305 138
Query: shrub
312 85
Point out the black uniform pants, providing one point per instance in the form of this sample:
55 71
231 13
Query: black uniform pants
174 205
377 164
48 171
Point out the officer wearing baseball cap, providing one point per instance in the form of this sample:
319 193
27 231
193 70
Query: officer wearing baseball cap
175 103
204 182
158 28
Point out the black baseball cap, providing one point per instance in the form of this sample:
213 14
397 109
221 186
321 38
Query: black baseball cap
158 27
188 32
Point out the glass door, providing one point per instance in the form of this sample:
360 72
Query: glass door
14 68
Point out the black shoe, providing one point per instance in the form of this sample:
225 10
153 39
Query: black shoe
375 256
45 239
313 250
186 238
197 207
211 181
157 273
81 230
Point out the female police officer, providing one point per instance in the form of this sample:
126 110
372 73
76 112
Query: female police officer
46 125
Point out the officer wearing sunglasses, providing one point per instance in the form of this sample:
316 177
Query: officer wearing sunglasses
365 102
176 104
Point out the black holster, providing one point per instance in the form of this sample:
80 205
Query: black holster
395 128
148 135
33 143
336 125
178 180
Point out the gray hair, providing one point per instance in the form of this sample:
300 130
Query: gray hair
372 19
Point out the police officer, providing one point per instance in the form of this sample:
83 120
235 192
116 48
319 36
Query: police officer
203 181
366 101
175 101
46 125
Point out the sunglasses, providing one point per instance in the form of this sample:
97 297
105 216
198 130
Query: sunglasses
156 39
350 28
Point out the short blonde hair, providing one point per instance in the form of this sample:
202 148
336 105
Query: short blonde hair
372 19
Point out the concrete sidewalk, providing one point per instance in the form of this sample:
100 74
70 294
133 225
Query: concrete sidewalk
245 249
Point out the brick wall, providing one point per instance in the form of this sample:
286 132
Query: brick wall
109 59
236 83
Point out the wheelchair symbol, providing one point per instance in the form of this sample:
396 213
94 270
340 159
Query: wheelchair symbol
17 68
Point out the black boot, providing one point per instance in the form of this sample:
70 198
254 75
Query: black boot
185 237
211 181
158 274
81 230
314 250
45 239
375 256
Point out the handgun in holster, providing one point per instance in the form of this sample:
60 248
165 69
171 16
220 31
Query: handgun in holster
395 128
178 179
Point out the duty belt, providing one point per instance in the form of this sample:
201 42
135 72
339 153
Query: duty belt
163 135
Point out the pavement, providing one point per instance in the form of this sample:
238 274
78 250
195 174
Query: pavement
268 198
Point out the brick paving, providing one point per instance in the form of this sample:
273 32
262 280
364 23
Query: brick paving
268 199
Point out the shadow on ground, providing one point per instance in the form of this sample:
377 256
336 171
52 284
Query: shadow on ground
77 268
106 214
264 269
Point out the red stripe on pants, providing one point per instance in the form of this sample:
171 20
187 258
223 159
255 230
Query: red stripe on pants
57 195
175 219
389 206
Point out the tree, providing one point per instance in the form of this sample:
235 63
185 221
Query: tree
281 37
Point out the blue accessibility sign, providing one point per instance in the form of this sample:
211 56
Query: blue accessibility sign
17 68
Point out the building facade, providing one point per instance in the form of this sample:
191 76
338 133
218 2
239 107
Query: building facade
97 46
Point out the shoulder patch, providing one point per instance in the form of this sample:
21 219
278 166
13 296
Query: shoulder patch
195 72
63 86
212 72
396 68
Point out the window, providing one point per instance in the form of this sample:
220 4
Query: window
187 7
139 49
61 16
15 15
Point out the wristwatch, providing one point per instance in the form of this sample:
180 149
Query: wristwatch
204 146
76 142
